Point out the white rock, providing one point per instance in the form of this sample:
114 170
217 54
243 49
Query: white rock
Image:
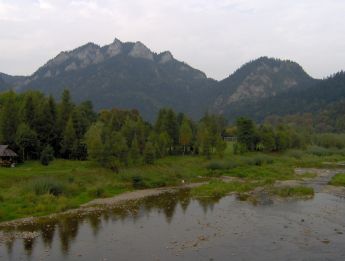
141 51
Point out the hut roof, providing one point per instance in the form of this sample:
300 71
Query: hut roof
6 152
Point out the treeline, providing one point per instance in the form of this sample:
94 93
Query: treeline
121 138
32 123
38 127
268 137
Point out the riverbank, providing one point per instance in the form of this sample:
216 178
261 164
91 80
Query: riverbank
35 190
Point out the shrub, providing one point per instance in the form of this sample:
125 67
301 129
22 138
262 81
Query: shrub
297 154
259 160
221 165
338 180
138 182
318 151
97 192
239 148
47 186
47 155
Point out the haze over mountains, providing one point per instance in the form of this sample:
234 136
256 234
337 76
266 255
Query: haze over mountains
129 75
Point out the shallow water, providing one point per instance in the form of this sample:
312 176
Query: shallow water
176 227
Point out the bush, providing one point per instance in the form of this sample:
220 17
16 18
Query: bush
319 151
259 160
97 192
47 155
47 186
338 180
138 182
297 154
239 148
221 165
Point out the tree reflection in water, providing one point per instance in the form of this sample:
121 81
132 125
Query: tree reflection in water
67 226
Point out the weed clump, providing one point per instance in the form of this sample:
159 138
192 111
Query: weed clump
50 186
138 182
259 160
221 165
338 180
299 191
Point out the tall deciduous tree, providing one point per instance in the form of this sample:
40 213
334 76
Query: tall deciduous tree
69 139
186 134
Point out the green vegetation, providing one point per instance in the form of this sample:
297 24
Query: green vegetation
338 180
72 155
298 192
219 189
34 189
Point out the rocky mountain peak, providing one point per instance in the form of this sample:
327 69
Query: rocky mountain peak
165 57
114 48
139 50
261 78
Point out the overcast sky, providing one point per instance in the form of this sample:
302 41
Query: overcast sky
215 36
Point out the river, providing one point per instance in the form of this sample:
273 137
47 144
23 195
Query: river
173 226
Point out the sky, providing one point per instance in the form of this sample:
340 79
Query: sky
215 36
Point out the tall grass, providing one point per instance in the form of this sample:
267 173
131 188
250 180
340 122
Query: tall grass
47 185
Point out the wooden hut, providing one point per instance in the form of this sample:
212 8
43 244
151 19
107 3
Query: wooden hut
7 156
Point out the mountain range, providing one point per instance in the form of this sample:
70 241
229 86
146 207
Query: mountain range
129 75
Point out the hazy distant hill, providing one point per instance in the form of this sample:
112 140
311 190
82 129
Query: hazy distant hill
320 96
130 75
7 81
258 80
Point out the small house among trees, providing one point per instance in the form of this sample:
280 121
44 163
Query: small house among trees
7 156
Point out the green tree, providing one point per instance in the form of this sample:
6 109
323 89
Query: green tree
69 139
220 146
134 151
204 140
47 155
267 138
29 111
186 134
149 153
26 140
94 143
64 111
45 124
164 143
246 132
9 119
119 147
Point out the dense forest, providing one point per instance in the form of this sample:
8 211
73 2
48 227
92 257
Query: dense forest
38 127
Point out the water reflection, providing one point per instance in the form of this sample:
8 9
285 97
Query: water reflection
66 228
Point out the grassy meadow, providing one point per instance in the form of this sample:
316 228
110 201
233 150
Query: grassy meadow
32 189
